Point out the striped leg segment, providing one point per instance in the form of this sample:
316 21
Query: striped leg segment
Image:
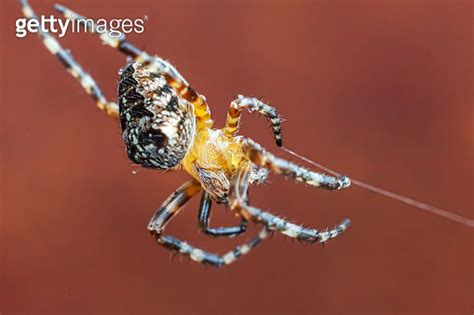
72 66
258 155
171 207
157 64
252 105
204 218
214 260
239 203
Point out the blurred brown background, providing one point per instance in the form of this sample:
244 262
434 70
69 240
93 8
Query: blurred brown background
380 91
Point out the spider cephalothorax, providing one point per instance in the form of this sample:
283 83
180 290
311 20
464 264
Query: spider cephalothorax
158 126
166 123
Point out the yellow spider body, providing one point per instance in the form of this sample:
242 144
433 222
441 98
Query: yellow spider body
213 150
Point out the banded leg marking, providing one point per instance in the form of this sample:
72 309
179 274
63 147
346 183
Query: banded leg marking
173 77
214 260
204 218
252 105
258 155
72 66
239 203
171 207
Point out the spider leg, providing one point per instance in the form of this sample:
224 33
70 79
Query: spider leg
252 105
170 208
238 202
72 66
258 155
173 77
204 216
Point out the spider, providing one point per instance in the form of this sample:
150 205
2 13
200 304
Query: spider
167 125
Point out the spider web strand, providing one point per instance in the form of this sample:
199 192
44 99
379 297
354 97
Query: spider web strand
418 204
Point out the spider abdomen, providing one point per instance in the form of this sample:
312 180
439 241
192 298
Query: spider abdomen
157 125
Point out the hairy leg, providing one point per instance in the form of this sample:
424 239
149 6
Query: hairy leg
72 66
252 105
204 218
258 155
170 208
238 202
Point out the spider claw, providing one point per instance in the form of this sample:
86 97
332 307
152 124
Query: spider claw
324 236
344 181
